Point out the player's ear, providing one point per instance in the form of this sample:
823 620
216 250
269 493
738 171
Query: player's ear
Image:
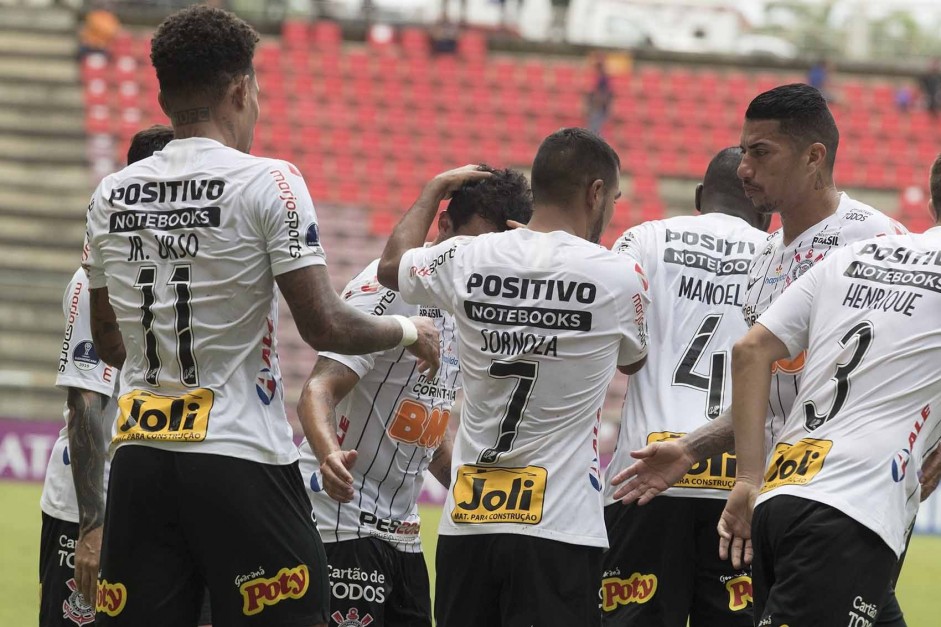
817 157
163 104
933 210
698 198
595 195
240 91
445 226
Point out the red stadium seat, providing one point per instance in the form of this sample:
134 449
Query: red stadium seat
472 45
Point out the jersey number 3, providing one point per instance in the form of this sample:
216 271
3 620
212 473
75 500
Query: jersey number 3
712 384
863 333
180 281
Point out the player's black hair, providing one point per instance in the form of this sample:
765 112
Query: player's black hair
568 161
148 141
803 114
503 196
934 183
722 191
200 50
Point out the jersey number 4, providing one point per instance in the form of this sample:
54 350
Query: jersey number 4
180 282
525 372
712 384
863 333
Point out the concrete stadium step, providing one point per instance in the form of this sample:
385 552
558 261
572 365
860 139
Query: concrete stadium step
37 231
44 177
39 348
53 123
49 19
63 70
40 400
42 317
38 260
42 149
17 94
62 204
37 44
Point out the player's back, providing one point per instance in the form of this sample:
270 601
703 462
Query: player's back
867 409
543 320
697 267
189 242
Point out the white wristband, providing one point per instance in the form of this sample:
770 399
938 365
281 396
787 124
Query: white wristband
409 331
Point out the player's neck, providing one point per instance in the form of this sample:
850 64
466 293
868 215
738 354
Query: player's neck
548 218
815 208
207 130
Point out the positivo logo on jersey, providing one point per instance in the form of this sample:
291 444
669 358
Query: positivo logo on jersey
84 356
485 495
289 583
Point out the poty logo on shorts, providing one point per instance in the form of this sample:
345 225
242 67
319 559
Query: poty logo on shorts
75 607
740 592
289 583
635 589
112 597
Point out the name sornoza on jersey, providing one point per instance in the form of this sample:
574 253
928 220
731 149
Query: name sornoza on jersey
697 268
521 332
777 266
395 417
199 231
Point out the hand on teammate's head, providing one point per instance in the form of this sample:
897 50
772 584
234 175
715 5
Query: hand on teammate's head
428 346
449 182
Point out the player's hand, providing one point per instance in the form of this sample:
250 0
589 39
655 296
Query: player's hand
658 466
513 224
87 553
735 525
337 480
446 183
428 346
930 473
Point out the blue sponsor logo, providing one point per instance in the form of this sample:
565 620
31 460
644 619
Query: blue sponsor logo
266 386
84 356
65 456
900 464
315 483
313 235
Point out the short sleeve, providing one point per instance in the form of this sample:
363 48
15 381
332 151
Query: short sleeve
287 219
79 363
91 255
637 242
633 300
427 275
365 294
788 317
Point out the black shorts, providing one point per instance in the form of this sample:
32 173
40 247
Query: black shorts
512 580
179 522
814 565
663 567
60 602
369 578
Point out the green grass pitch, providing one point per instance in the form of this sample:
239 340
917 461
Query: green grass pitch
19 550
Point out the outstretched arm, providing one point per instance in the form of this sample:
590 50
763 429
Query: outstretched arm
88 453
412 229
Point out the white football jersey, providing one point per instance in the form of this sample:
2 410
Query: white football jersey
395 417
777 266
188 243
868 408
697 267
79 367
543 319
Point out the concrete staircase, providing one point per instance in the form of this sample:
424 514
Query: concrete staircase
45 183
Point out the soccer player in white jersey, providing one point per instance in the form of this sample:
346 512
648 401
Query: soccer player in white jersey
377 424
835 499
73 508
789 139
544 315
662 567
184 249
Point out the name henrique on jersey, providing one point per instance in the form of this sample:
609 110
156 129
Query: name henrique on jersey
79 367
188 243
867 412
394 417
543 319
697 267
777 266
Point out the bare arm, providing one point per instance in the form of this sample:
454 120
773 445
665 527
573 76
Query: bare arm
329 382
88 453
634 367
105 333
327 323
412 229
440 465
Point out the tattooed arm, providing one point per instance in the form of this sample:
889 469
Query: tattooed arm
104 329
87 453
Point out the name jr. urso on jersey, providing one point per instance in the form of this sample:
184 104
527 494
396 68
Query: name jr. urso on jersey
395 417
246 220
868 408
777 266
525 458
697 267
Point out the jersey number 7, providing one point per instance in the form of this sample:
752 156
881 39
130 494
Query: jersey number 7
525 372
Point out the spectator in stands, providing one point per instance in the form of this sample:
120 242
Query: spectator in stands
443 35
819 77
99 30
930 83
904 98
599 99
